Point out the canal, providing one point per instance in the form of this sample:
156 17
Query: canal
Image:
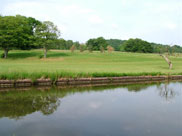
125 110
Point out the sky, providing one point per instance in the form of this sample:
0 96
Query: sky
157 21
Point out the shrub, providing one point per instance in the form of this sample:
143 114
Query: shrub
110 49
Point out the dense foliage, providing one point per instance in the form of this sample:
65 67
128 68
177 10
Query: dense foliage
17 32
137 45
159 48
63 44
97 43
115 43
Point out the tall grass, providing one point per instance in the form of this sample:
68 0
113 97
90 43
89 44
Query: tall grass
56 75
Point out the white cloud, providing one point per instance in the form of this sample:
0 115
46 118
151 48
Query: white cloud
171 26
95 19
72 9
114 26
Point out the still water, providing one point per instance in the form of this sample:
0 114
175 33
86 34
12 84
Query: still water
130 110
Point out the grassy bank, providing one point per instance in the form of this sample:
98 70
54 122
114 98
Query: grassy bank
29 64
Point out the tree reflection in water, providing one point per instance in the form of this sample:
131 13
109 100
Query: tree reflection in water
47 105
16 103
166 91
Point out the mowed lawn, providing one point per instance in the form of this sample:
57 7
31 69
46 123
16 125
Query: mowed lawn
57 61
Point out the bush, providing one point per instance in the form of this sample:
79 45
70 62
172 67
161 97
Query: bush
110 49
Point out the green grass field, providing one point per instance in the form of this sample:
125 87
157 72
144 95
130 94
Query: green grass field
28 64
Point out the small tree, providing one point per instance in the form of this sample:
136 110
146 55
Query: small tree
110 49
47 34
69 43
89 48
72 48
102 50
77 44
82 47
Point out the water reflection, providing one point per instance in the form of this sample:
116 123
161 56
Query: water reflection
166 91
16 103
128 110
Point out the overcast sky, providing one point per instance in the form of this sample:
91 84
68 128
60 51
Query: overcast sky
152 20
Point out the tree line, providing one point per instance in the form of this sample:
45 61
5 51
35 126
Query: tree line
120 45
25 33
20 32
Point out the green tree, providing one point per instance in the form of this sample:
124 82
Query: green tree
82 47
97 44
77 44
177 49
61 44
69 43
102 50
16 32
32 24
116 44
47 34
137 45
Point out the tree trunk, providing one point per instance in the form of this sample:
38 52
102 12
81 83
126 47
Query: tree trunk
5 53
168 61
45 52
